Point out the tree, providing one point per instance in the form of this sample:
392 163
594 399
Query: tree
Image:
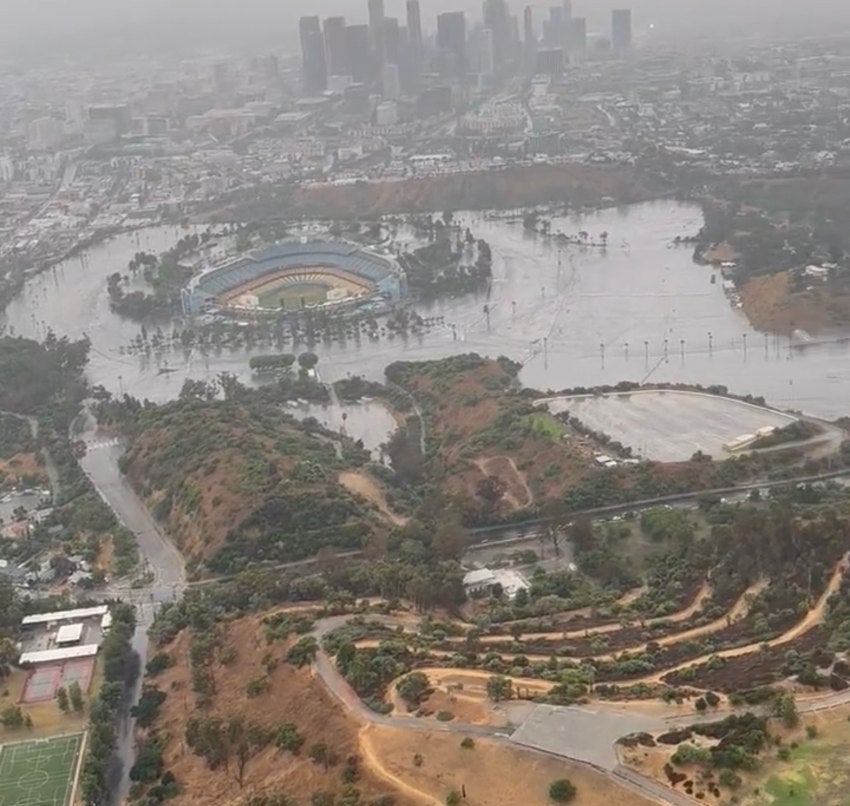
288 738
412 688
786 709
303 652
75 696
453 798
308 360
491 489
499 688
62 699
562 791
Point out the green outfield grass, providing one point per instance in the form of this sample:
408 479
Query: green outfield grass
292 295
40 772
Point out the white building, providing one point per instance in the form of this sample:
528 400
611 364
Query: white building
484 579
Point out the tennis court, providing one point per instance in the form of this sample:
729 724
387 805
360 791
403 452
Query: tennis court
44 681
40 772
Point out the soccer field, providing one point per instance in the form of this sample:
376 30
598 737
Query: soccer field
40 772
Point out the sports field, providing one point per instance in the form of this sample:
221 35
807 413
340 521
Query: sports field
293 295
40 772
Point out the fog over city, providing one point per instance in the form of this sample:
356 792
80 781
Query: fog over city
97 26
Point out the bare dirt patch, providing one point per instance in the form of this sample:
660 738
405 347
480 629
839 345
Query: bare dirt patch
364 485
21 466
493 774
293 695
517 492
771 304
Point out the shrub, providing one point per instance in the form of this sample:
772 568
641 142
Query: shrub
467 742
562 791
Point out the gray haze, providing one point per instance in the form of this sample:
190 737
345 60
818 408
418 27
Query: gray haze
49 27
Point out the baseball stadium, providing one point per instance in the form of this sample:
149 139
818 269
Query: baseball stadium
292 276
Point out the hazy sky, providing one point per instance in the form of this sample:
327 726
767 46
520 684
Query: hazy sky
125 25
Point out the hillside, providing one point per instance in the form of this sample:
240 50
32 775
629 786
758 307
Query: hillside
509 188
236 482
241 653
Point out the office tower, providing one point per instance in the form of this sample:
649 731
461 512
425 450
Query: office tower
484 54
556 26
528 27
451 41
359 48
577 37
497 19
336 46
313 67
550 62
621 29
376 30
568 10
414 32
392 40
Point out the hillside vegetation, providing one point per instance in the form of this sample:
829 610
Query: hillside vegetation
241 481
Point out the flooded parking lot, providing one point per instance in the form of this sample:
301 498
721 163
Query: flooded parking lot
638 310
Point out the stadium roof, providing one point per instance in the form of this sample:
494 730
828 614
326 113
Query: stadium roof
65 615
61 653
68 633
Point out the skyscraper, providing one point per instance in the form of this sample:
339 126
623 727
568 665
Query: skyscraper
376 29
414 32
451 41
392 40
576 37
568 10
528 37
314 68
497 19
621 29
336 46
556 26
359 47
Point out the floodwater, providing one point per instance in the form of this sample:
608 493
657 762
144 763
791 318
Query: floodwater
638 310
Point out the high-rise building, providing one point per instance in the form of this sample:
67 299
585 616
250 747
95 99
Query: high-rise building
568 10
414 32
44 134
556 26
497 19
576 37
336 46
223 80
550 62
359 47
621 29
313 66
392 40
528 37
484 55
451 41
376 30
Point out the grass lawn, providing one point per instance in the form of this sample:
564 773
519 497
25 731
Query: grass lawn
547 425
816 774
38 772
292 296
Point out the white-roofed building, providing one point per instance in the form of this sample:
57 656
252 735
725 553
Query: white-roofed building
58 654
64 615
69 634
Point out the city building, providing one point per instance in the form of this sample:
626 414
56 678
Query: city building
336 47
376 31
414 33
45 134
313 65
576 38
621 30
359 41
391 40
390 82
451 42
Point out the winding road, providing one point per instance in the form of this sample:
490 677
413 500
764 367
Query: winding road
581 734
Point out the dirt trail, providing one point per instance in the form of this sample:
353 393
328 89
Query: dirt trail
740 609
373 762
683 615
365 486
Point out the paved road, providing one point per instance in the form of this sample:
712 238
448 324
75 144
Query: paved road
165 563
